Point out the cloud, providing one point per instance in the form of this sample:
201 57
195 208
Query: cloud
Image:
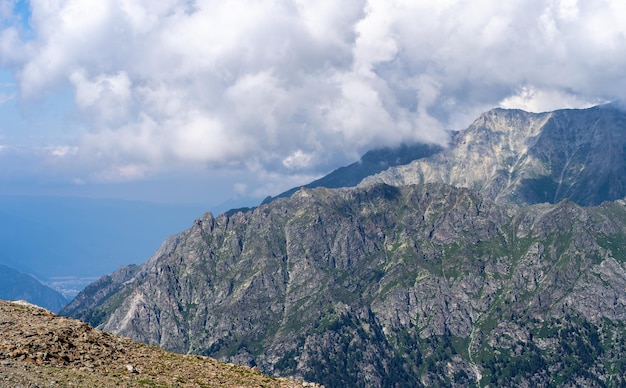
107 97
539 100
298 160
62 151
297 87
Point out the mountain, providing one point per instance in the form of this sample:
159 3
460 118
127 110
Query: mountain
371 162
15 285
520 157
388 286
498 261
38 348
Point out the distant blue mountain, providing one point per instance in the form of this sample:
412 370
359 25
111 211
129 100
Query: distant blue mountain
52 237
15 285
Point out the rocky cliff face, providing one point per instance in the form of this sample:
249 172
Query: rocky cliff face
520 157
382 285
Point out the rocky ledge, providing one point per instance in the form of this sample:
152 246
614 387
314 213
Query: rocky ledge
39 348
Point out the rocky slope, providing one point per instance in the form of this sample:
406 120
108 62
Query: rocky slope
389 286
520 157
38 348
17 285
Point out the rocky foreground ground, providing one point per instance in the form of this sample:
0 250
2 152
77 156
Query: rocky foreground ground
41 349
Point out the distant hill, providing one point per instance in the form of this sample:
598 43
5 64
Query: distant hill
371 162
15 285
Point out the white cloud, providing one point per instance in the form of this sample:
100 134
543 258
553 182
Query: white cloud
62 151
298 160
536 100
108 98
292 86
568 9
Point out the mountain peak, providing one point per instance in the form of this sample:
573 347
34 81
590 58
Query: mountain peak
513 156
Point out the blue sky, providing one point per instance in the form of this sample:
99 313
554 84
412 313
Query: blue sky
205 101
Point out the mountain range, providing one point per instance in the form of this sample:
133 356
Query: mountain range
500 261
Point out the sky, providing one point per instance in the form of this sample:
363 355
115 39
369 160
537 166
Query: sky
210 101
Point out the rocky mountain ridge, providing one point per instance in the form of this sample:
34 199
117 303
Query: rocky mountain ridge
512 156
388 286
